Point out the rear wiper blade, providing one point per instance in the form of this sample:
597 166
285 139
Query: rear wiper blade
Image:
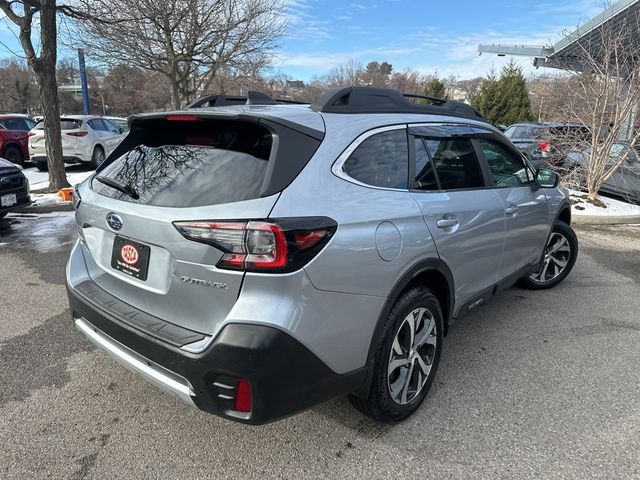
127 189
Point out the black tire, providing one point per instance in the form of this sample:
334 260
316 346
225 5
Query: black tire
380 404
2 215
97 157
560 228
13 154
42 166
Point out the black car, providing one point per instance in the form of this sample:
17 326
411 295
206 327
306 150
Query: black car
14 188
547 143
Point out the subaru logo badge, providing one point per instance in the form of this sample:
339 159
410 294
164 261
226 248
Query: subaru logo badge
114 221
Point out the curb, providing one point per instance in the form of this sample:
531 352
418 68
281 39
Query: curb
58 207
604 219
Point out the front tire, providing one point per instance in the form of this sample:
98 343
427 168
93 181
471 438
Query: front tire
407 357
559 258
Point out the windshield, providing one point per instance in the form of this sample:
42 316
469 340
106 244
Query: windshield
65 124
524 132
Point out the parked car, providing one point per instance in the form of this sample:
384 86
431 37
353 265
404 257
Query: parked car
119 122
85 139
547 143
14 188
14 132
625 181
255 260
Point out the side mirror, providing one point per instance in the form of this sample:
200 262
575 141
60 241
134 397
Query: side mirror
547 178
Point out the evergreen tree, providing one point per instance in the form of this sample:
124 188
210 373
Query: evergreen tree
505 100
434 87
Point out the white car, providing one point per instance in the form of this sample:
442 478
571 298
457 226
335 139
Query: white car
85 139
119 122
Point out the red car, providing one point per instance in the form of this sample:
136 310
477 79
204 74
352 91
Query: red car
14 132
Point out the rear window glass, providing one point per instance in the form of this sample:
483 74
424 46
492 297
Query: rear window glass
65 124
191 164
524 132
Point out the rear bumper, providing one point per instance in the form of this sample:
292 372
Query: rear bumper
285 377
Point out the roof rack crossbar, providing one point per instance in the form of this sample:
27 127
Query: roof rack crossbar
384 100
252 98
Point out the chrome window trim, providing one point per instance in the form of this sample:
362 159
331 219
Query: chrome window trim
337 167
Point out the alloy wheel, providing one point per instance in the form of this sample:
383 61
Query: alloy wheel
556 258
411 358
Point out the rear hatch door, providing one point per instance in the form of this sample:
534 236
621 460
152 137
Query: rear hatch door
175 170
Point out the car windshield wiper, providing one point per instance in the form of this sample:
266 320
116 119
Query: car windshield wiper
127 189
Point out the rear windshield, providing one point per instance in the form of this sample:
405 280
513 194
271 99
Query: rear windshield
191 164
65 124
524 132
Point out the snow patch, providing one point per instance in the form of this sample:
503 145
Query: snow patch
614 207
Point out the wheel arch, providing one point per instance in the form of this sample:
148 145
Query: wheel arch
432 273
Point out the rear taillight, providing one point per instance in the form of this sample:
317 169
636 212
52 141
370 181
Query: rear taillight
545 146
75 197
281 245
77 134
31 134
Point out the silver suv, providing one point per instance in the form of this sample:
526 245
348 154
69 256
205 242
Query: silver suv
257 259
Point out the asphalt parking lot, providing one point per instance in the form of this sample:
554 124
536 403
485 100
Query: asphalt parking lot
532 385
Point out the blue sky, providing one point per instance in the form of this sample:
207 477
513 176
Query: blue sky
430 36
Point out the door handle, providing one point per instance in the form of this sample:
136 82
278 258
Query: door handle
447 222
512 210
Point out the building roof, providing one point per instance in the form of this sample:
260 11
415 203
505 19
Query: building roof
566 53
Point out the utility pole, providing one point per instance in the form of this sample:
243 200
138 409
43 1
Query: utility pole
86 107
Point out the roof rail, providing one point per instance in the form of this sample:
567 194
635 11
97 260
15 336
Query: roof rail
252 98
384 100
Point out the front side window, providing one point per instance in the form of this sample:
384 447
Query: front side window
381 160
15 124
507 169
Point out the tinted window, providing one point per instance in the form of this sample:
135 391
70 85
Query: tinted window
382 160
111 127
425 173
455 163
14 124
507 169
97 124
524 132
192 164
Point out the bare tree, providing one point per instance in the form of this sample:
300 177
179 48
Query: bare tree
24 13
605 92
188 42
344 75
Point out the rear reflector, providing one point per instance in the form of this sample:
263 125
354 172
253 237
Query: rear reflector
243 397
263 246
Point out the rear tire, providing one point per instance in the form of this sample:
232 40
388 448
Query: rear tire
406 359
2 215
13 154
561 252
97 157
42 166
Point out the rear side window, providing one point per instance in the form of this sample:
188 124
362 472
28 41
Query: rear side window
97 124
382 160
190 164
455 162
425 171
